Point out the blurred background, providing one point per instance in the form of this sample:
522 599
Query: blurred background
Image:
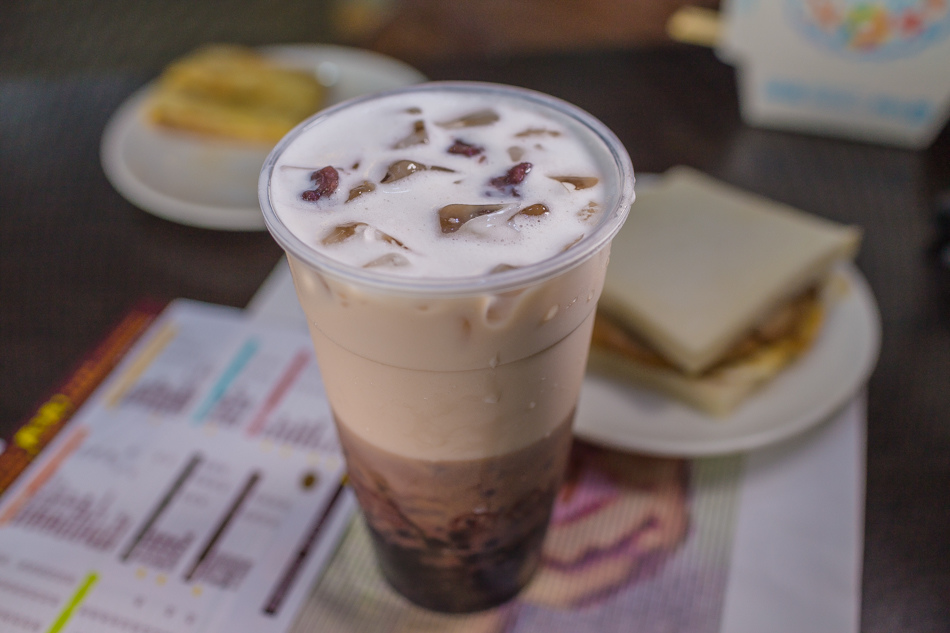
66 65
59 36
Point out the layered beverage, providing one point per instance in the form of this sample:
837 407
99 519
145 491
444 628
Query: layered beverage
448 244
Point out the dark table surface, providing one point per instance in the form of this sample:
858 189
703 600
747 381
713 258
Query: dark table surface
75 256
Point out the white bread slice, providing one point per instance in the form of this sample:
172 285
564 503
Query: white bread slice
699 262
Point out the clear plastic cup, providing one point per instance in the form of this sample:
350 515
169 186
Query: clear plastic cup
454 397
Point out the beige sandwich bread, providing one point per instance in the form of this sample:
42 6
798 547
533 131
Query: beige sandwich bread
712 291
234 92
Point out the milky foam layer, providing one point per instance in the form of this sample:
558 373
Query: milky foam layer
396 227
435 359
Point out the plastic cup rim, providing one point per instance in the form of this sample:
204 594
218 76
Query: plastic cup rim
495 283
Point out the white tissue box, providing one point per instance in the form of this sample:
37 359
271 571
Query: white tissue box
877 72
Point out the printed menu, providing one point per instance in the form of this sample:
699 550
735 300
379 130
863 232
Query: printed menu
199 488
186 478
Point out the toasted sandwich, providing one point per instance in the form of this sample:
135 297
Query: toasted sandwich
234 92
712 291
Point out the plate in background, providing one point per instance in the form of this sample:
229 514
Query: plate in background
210 182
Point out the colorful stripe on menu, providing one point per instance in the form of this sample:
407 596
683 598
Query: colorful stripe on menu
233 370
144 359
294 567
297 363
224 523
165 501
60 623
73 441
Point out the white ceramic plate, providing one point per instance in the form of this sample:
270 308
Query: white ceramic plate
622 416
212 183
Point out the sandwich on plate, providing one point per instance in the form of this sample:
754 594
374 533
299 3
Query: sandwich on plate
234 92
712 291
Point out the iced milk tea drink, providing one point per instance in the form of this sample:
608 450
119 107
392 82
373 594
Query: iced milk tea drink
448 244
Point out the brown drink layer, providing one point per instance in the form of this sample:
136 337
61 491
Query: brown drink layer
458 535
